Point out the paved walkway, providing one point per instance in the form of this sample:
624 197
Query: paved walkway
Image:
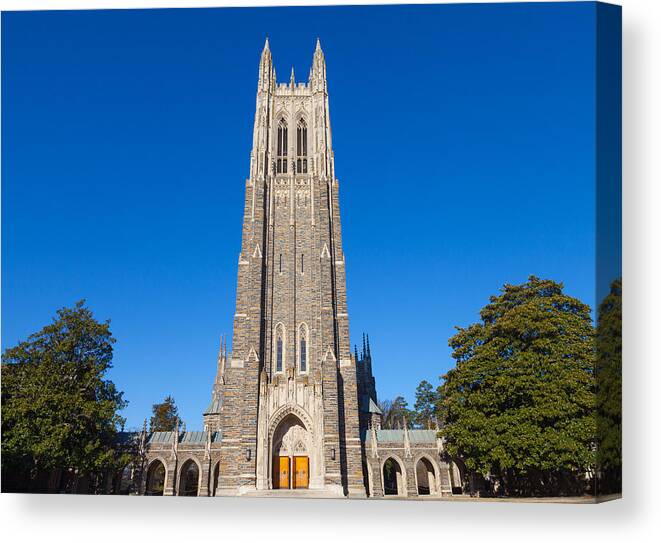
321 494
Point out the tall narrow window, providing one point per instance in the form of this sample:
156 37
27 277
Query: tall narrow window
301 147
278 356
303 348
302 263
279 348
280 264
304 354
281 158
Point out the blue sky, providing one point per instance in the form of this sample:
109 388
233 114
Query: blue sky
464 144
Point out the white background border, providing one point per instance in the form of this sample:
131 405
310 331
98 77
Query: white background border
635 518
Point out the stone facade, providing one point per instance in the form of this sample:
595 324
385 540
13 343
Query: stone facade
291 388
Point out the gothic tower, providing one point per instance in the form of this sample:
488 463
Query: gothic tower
286 400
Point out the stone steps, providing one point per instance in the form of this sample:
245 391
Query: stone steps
291 493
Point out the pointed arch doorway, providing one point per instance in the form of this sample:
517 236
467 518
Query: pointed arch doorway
290 453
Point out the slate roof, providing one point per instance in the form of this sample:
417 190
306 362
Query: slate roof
368 405
161 437
214 407
373 408
422 436
397 436
392 436
195 437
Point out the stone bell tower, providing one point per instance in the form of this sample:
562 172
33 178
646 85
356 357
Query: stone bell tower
285 400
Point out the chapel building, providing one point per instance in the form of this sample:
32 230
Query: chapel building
293 409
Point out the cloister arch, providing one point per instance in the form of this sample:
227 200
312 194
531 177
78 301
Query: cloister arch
393 475
189 478
156 474
427 476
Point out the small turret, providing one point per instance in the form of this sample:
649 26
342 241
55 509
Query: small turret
211 414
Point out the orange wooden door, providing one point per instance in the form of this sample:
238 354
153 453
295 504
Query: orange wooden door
301 472
283 472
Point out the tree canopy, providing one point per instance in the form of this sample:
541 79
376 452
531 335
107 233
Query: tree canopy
519 405
58 410
609 390
164 416
426 407
396 413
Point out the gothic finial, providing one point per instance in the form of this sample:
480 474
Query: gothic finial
292 79
368 345
266 44
355 349
364 346
318 47
144 426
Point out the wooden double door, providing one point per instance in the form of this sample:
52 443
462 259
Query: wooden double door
291 472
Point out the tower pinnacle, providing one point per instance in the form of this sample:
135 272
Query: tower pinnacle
266 71
318 72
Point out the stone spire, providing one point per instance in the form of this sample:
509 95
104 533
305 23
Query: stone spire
318 72
266 70
292 78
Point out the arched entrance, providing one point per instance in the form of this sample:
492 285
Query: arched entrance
426 477
155 479
393 479
189 477
291 454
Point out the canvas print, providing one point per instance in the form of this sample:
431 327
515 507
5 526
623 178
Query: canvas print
315 252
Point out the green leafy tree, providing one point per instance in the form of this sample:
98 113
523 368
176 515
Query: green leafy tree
58 410
396 413
164 416
609 390
520 401
426 404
